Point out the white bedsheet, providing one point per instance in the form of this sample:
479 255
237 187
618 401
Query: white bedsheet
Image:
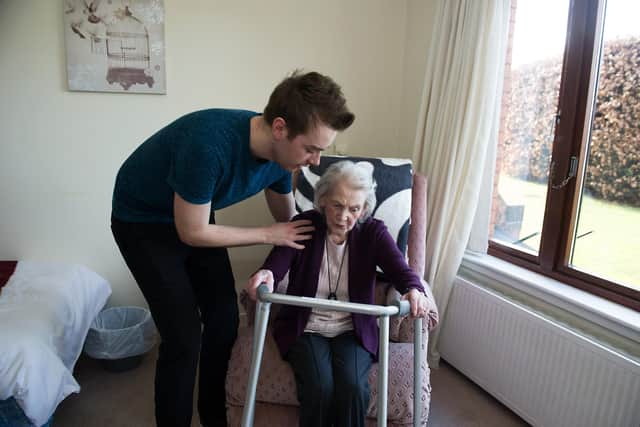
45 312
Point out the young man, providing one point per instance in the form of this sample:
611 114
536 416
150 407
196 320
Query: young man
164 200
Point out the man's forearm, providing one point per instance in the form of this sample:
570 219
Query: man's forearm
215 235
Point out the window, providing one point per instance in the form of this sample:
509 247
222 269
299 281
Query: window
566 197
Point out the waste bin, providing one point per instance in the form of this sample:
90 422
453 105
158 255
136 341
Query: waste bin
120 336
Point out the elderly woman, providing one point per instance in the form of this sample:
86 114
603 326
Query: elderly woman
331 352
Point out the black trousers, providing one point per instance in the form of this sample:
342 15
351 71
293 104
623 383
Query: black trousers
192 298
331 380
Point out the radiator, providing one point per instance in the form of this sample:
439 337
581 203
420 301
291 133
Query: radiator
546 373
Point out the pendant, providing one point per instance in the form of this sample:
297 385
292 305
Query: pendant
332 295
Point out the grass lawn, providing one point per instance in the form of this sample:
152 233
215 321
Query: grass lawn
610 241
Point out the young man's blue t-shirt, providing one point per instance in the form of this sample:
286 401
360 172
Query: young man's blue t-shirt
203 156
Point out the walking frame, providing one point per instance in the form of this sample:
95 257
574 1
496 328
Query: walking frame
399 308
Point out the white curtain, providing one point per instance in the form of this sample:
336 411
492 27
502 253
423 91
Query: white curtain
457 133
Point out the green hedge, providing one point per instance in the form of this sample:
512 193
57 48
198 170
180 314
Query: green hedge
613 173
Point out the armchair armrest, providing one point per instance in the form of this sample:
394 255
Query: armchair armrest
417 248
249 307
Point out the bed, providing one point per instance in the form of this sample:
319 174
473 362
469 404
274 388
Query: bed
46 309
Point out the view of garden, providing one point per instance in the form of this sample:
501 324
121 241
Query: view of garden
607 241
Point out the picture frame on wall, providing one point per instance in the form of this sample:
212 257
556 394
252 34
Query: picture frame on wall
115 45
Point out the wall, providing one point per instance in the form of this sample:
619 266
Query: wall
418 36
60 150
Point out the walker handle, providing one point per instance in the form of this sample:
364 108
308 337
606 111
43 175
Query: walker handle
263 289
403 306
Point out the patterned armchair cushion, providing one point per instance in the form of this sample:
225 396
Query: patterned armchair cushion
393 191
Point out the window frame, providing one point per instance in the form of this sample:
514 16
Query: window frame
583 39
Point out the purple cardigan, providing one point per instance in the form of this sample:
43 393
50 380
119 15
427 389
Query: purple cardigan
370 245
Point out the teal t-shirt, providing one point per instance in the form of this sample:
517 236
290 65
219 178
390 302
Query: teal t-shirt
203 156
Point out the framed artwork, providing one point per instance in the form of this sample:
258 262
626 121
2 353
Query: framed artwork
115 45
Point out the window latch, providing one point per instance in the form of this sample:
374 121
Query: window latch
573 171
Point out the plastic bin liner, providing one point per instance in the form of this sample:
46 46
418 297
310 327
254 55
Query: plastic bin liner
120 332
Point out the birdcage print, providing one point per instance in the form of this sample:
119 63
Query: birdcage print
128 56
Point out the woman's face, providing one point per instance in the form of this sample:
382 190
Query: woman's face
342 208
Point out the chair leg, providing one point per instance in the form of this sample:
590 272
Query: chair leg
260 330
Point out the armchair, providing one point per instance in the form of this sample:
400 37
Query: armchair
276 401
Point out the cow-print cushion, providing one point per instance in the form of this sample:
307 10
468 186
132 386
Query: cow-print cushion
393 191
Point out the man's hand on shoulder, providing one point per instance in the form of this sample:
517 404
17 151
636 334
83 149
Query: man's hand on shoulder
289 233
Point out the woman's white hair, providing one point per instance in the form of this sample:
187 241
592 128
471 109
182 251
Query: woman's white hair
356 176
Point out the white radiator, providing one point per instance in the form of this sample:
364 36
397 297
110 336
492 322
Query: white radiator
543 371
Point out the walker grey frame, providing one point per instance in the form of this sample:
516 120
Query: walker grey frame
399 308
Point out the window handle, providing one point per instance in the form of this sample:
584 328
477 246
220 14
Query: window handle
573 171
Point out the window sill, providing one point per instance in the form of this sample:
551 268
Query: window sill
551 296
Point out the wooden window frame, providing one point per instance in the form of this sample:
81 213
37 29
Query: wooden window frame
557 231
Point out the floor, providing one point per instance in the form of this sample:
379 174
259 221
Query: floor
125 399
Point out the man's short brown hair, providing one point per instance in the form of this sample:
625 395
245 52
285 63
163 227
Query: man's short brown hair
304 100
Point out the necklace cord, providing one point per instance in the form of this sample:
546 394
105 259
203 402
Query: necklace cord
333 293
